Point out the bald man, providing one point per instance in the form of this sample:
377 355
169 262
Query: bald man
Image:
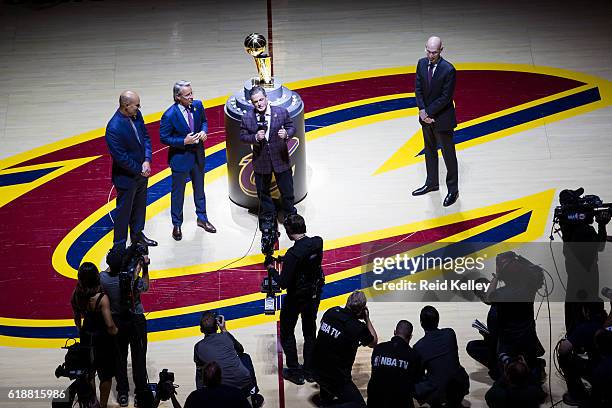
130 147
434 88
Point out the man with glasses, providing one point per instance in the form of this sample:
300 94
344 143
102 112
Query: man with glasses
184 128
434 88
130 148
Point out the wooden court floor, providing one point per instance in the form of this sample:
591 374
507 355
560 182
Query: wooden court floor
533 102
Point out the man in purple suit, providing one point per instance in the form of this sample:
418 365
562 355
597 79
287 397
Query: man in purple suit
183 127
268 128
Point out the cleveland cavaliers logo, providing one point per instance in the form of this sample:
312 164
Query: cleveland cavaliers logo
52 176
247 176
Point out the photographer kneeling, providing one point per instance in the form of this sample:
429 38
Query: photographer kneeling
341 333
236 366
514 302
303 278
123 285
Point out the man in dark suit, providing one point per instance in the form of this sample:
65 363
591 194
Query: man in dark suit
267 128
434 88
446 381
183 127
130 147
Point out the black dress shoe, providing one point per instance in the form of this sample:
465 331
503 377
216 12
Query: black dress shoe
176 233
450 199
208 227
424 190
147 241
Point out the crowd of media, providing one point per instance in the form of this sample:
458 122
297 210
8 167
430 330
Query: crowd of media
110 319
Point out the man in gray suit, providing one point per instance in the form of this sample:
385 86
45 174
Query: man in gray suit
434 88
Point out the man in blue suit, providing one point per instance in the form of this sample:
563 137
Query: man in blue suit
130 147
183 127
434 88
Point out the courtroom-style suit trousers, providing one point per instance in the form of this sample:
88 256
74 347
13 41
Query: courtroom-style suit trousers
284 181
131 210
443 139
179 179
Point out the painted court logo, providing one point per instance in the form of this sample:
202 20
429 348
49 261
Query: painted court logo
247 175
55 210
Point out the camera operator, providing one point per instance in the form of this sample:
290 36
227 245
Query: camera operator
341 333
123 284
303 278
581 244
577 353
445 379
215 394
97 330
515 388
236 366
514 306
396 368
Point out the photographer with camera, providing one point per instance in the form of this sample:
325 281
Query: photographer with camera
341 333
514 303
214 393
92 317
124 285
581 245
221 347
303 278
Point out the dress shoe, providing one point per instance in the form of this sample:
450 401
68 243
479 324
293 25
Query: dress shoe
424 190
176 233
148 242
208 227
293 375
450 199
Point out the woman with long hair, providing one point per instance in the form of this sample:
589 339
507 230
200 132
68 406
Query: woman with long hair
92 316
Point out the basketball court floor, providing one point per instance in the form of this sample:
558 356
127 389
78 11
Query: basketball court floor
533 104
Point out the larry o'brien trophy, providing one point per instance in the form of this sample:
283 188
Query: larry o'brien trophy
240 174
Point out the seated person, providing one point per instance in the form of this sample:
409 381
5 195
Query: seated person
485 351
215 394
445 379
602 374
396 368
516 388
577 354
236 366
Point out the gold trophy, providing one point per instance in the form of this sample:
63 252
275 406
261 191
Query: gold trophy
255 45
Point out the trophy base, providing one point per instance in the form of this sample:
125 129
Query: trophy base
257 81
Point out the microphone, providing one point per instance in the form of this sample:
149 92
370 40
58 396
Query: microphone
262 124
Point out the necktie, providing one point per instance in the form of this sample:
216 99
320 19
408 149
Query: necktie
135 130
429 73
190 119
